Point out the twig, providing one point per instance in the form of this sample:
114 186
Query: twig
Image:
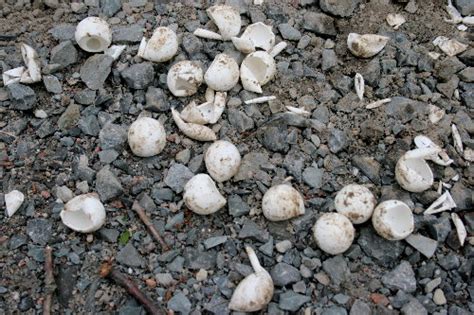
107 270
151 228
49 280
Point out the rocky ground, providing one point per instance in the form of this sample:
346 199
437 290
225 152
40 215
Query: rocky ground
59 138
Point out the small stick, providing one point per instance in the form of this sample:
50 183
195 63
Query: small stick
107 270
151 228
49 280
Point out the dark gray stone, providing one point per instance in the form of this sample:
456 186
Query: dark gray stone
275 138
109 235
239 120
192 44
180 303
334 310
343 8
89 125
195 259
462 196
214 241
329 59
63 31
52 84
423 244
449 262
85 97
337 269
289 32
39 230
112 136
64 54
26 303
401 278
385 252
467 57
294 163
319 23
129 256
360 308
291 301
338 140
156 100
108 185
70 117
465 7
139 76
66 282
313 177
95 70
22 97
110 7
371 73
127 34
414 307
284 274
250 229
237 207
178 175
368 166
467 75
445 68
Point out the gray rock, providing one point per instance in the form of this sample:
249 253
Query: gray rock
70 117
338 140
414 307
66 282
214 241
467 75
439 228
465 7
89 125
385 252
52 84
462 196
26 303
129 256
112 136
401 278
180 303
267 248
343 8
291 301
319 23
109 235
341 298
174 221
178 175
275 138
289 32
360 308
110 7
337 269
108 185
64 54
368 166
334 310
423 244
16 241
192 44
22 97
95 70
284 274
85 97
447 88
239 120
195 259
405 109
156 100
176 265
127 34
456 310
251 165
162 194
313 177
329 59
250 229
467 57
39 230
131 310
449 262
294 163
139 76
445 68
63 31
371 73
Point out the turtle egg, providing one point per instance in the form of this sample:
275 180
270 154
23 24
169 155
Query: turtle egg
282 202
333 233
84 213
222 160
356 202
223 73
93 34
412 172
201 195
393 220
146 137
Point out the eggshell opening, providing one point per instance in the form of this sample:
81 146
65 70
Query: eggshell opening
184 78
227 19
93 34
161 47
260 34
414 174
257 69
393 220
84 213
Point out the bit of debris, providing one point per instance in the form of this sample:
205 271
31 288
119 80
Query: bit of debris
378 103
262 99
395 20
460 228
443 203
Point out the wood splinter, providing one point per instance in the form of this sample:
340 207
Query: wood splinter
151 228
50 286
108 271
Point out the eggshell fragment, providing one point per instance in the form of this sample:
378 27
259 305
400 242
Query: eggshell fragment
84 213
282 202
161 47
227 19
184 78
412 172
257 69
201 195
356 202
193 131
13 201
33 65
393 220
93 34
222 160
333 233
260 34
146 137
367 45
223 73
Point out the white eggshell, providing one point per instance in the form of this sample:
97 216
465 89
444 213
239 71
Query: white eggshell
192 130
146 137
93 34
227 19
184 78
201 195
413 174
356 202
245 46
260 34
393 220
222 160
84 213
13 201
161 47
257 69
33 64
223 73
333 233
367 45
282 202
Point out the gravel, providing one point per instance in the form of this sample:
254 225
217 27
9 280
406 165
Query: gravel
401 278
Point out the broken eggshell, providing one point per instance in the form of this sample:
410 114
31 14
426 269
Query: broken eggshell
260 34
243 45
333 233
395 20
223 73
184 78
227 19
201 195
412 172
146 137
13 201
255 291
84 213
282 202
206 113
367 45
393 220
356 202
222 160
256 70
161 47
93 34
32 62
13 75
193 131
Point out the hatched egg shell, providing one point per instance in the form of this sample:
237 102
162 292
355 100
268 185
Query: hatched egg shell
260 34
356 202
93 34
84 213
33 64
161 47
222 160
201 195
257 69
193 131
223 73
146 137
184 78
413 173
367 45
393 220
245 46
227 19
282 202
333 233
13 201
